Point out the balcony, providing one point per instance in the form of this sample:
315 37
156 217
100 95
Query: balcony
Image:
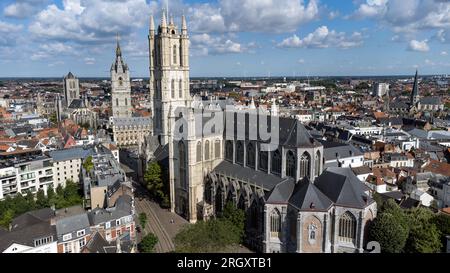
8 174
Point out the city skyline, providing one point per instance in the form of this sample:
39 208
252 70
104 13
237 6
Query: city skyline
44 38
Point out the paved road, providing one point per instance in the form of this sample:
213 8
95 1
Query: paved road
161 222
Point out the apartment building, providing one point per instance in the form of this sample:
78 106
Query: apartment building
68 162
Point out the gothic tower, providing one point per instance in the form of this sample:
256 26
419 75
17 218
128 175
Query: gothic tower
120 86
71 89
415 91
169 72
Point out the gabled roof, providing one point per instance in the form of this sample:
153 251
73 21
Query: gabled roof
306 196
343 187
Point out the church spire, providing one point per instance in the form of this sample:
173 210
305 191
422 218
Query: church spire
415 90
163 19
118 50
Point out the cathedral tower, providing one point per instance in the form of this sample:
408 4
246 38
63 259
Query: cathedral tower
415 91
120 86
71 89
169 72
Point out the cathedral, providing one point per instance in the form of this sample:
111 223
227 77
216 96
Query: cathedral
269 166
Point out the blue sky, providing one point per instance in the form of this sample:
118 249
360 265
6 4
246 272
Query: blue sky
230 37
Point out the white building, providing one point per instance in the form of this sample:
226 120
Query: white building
8 181
380 89
67 164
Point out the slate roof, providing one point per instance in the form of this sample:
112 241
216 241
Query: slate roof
28 227
343 187
71 153
133 121
72 223
122 208
306 196
98 244
263 179
281 192
76 104
331 149
430 101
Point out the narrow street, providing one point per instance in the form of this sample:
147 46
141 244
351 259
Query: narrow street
161 222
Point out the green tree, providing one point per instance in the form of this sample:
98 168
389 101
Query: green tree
142 219
88 165
378 199
7 218
235 216
41 200
387 230
53 118
30 200
442 222
148 243
153 181
50 195
59 190
424 236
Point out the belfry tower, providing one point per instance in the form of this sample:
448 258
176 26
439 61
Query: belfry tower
169 72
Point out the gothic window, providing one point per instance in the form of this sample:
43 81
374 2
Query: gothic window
117 102
207 150
251 154
290 164
240 152
275 223
180 89
347 227
276 162
174 54
263 160
229 150
305 165
254 215
120 81
182 159
317 164
172 89
217 148
199 151
126 102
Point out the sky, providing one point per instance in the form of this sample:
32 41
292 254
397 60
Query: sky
49 38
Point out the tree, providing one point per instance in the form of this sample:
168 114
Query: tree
30 200
147 245
386 230
53 118
442 222
153 181
235 216
88 165
7 218
50 194
59 190
41 200
424 236
143 219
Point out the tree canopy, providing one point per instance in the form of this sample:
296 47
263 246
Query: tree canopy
148 243
154 183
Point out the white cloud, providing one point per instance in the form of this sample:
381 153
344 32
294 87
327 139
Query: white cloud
47 51
9 34
85 21
276 16
420 46
23 8
324 38
206 44
444 53
301 61
89 61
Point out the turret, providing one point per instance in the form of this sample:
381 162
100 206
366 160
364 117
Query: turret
163 22
152 26
183 25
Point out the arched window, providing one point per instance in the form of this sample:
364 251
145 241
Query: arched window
254 215
229 150
207 150
275 223
240 152
219 201
199 151
120 81
276 162
217 148
251 155
117 102
312 228
290 164
305 165
172 89
317 164
174 54
182 159
263 160
347 227
126 102
180 89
